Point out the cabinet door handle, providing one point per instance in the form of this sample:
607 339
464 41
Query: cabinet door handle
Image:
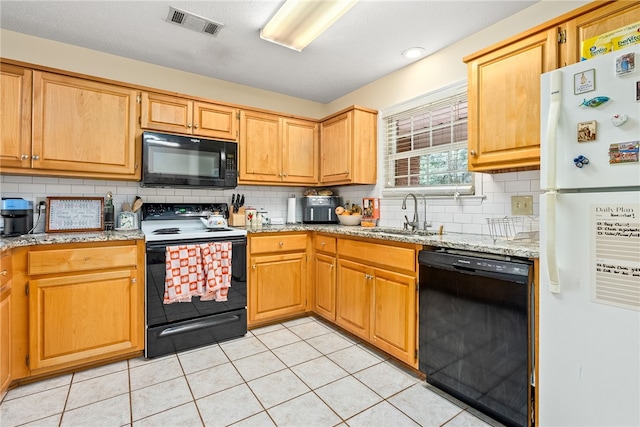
472 152
331 266
284 174
24 156
189 125
253 266
86 258
322 243
133 280
281 244
195 126
4 273
35 157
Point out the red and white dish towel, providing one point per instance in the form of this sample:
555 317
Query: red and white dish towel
202 270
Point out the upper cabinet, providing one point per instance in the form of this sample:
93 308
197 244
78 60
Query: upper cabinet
504 83
594 23
504 103
348 147
277 150
15 116
181 115
74 127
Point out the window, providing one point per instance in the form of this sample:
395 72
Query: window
426 144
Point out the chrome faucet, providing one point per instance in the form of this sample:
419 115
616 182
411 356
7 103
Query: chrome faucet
425 223
414 223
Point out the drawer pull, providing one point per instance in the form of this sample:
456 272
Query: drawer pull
86 258
323 243
281 244
4 272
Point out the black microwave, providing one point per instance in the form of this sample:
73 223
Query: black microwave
183 161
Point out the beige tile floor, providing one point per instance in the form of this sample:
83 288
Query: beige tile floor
303 372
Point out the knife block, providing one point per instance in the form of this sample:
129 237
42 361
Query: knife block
237 219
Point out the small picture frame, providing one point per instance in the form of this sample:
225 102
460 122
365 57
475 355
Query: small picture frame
72 214
584 81
638 90
625 64
587 131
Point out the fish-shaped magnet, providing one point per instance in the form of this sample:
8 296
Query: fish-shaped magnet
619 119
594 102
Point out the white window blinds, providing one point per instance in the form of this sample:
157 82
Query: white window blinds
426 144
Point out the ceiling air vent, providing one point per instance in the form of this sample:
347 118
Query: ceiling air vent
193 22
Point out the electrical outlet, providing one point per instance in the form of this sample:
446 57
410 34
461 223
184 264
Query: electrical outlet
42 200
521 205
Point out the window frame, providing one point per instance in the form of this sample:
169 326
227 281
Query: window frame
433 97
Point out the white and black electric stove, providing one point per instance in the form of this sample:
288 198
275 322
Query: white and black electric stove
182 221
179 326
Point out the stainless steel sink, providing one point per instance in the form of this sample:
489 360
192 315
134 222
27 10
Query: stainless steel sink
400 231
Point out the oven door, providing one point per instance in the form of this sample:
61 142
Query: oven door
184 325
180 161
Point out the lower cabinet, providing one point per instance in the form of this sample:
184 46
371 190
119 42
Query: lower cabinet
5 321
376 295
277 277
85 303
324 262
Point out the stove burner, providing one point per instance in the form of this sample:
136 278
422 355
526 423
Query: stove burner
173 230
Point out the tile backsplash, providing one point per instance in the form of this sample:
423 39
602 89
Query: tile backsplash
463 214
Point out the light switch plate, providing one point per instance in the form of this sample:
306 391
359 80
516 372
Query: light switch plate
521 205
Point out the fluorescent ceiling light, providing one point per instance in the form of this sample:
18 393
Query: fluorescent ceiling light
298 22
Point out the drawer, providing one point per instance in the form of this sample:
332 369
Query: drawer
81 259
373 253
325 244
5 268
278 243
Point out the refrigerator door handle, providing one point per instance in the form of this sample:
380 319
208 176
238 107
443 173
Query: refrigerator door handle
555 101
550 231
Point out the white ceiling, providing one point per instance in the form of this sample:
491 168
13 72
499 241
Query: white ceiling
362 46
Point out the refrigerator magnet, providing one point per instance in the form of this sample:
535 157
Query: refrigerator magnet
587 131
619 119
625 64
624 152
584 82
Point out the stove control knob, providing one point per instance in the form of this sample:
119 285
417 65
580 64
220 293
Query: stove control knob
197 208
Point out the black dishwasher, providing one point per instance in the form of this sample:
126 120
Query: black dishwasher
475 330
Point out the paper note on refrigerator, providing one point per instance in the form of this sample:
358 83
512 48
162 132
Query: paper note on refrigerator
616 255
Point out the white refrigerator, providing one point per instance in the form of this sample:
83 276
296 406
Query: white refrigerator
589 295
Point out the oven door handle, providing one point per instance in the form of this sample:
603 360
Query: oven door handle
201 324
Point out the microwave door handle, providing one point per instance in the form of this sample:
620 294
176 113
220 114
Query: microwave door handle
311 214
328 214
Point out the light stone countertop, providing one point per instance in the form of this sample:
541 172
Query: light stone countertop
469 242
78 237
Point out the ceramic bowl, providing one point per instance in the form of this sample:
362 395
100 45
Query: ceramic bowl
349 219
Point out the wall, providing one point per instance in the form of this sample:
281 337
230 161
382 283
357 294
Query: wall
436 71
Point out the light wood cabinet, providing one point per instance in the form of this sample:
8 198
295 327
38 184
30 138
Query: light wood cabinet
277 285
376 295
594 23
180 115
81 128
277 150
6 273
15 117
85 303
504 83
348 147
325 276
354 298
504 103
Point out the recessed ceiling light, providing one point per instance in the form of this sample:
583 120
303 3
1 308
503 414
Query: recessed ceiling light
413 52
